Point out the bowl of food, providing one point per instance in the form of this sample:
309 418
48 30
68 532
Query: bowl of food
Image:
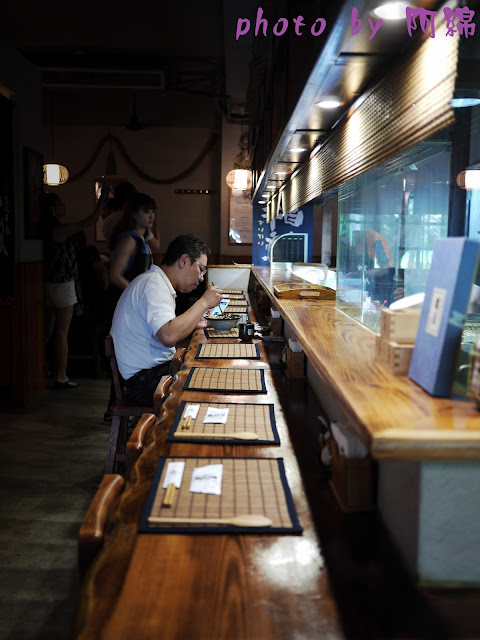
223 324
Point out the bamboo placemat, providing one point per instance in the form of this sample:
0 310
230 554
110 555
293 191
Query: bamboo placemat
233 296
211 333
248 351
259 418
236 308
226 379
249 486
234 291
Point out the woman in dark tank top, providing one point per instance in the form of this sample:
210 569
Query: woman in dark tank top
130 255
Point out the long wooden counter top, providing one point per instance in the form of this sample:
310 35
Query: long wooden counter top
394 417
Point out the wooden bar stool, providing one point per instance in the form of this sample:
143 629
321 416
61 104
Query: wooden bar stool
136 442
92 531
121 409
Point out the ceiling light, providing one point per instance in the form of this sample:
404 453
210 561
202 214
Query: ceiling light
297 149
270 186
464 102
262 202
329 103
280 173
391 10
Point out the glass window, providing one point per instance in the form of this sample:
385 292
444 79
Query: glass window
388 219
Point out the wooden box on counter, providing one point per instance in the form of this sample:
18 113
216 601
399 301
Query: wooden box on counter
303 291
352 481
393 355
399 326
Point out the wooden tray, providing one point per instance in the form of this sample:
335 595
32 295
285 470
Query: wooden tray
226 379
259 418
301 291
249 485
224 350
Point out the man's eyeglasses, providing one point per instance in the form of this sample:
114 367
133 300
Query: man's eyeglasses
203 270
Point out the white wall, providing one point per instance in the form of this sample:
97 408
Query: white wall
161 152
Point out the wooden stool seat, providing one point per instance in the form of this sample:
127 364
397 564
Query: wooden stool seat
92 531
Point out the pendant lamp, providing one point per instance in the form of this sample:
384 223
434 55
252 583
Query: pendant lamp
54 174
240 177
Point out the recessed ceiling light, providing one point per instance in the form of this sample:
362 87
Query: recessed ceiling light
297 149
270 186
329 103
265 195
391 10
280 173
261 202
464 102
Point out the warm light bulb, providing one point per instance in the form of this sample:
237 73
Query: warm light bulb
54 174
239 179
472 179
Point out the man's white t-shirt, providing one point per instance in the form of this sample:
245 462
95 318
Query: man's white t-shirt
144 307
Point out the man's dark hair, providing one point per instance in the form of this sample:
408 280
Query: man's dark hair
185 244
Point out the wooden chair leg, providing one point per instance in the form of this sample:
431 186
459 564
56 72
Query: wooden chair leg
113 444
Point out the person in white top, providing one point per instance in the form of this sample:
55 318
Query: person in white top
145 328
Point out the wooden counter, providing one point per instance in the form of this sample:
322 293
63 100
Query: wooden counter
209 586
395 418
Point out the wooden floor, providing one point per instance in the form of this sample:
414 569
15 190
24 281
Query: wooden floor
52 462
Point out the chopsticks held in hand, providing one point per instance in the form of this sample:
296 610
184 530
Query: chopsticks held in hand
219 304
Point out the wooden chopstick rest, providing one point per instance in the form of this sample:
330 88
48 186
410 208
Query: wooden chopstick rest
233 435
169 496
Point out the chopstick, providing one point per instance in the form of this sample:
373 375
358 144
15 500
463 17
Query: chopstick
219 304
186 422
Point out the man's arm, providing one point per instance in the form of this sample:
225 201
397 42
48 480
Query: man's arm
183 325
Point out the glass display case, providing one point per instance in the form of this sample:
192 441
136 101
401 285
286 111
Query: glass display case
388 219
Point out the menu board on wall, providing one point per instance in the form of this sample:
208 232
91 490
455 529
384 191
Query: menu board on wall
297 221
240 215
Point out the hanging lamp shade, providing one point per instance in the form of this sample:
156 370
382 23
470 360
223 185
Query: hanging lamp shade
54 174
239 179
469 179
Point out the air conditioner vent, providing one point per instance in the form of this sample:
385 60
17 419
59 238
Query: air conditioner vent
103 79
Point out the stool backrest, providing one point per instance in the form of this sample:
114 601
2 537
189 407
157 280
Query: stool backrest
116 377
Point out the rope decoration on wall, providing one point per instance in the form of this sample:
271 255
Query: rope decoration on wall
113 140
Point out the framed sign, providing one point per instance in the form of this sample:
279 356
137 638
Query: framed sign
240 216
33 183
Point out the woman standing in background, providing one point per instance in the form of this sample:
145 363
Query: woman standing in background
60 274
